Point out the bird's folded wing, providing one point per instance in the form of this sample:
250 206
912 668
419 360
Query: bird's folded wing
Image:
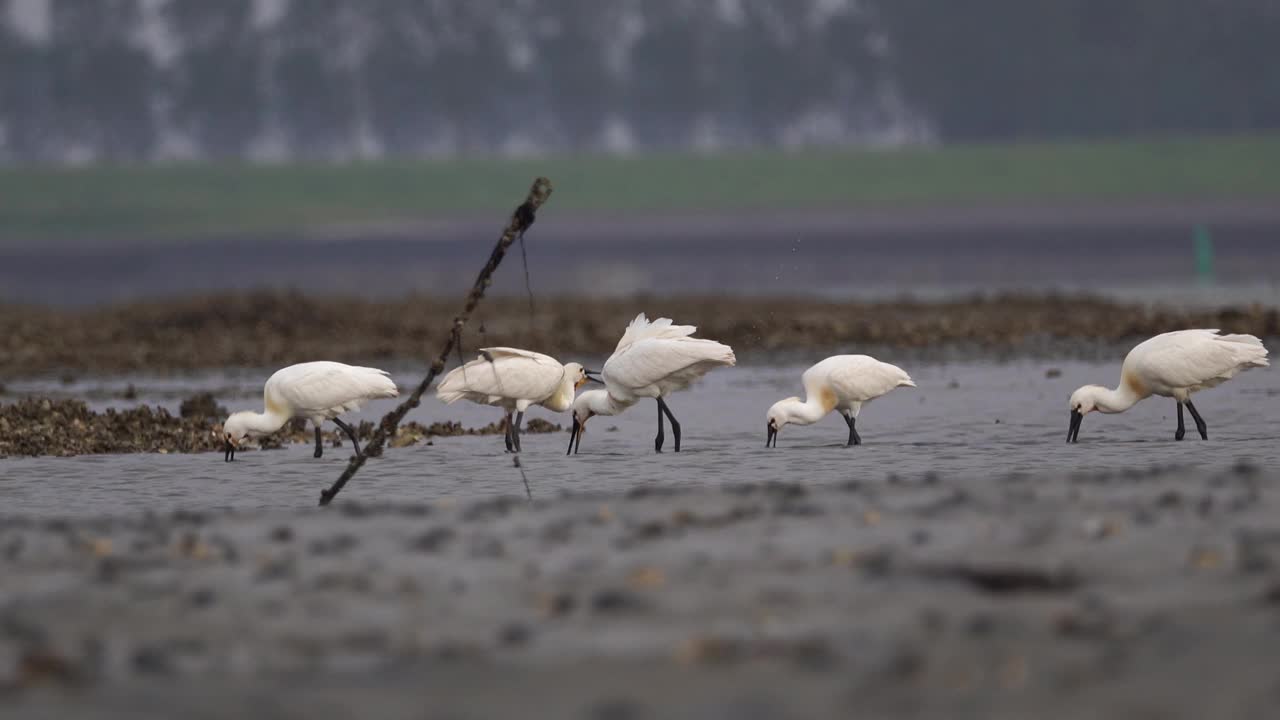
317 387
1196 358
864 379
508 376
508 352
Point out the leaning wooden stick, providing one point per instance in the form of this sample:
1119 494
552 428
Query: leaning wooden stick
520 221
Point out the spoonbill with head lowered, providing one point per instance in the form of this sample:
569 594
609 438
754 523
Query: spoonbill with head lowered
1175 364
513 379
841 382
652 360
317 391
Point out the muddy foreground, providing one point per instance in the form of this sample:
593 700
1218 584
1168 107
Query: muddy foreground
275 329
1114 595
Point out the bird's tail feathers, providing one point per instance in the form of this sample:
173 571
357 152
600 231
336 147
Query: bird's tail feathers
727 357
1248 349
710 351
380 384
449 398
451 389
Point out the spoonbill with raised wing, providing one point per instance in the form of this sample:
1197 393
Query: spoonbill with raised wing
652 360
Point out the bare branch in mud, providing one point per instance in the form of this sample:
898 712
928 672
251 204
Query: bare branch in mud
521 219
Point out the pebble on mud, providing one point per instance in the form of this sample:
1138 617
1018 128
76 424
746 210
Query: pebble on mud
708 650
554 605
613 600
514 635
1097 528
432 540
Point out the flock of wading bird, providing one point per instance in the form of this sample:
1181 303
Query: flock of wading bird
655 359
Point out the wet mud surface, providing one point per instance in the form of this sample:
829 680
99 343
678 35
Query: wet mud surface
277 329
963 562
1150 593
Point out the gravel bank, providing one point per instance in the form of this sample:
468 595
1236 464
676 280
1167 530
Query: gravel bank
276 329
41 426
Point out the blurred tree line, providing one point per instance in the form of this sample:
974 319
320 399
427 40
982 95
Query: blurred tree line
131 80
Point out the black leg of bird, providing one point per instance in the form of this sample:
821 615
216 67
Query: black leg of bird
1182 429
657 441
351 433
515 430
575 437
854 438
1200 423
675 426
319 444
507 436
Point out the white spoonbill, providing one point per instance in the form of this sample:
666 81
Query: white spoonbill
652 360
513 379
317 391
1174 365
841 382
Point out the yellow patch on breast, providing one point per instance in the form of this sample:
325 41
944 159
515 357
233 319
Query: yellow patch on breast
828 398
274 408
1135 385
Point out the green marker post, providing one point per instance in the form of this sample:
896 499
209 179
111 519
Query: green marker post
1204 255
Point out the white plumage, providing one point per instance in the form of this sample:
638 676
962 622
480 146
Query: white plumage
514 380
317 391
652 360
841 382
1174 364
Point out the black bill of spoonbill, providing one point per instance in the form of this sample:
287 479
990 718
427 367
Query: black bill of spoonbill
317 391
1175 364
652 360
841 382
513 380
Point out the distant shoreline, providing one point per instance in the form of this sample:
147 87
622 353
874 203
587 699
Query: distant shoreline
165 204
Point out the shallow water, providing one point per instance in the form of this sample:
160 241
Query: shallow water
966 420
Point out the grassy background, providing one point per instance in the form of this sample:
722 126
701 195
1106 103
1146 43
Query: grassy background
177 201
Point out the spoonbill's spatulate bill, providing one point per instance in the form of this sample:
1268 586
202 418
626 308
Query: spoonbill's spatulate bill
513 379
843 383
317 391
652 360
1175 364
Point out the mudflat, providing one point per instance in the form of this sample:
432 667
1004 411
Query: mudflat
1149 593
